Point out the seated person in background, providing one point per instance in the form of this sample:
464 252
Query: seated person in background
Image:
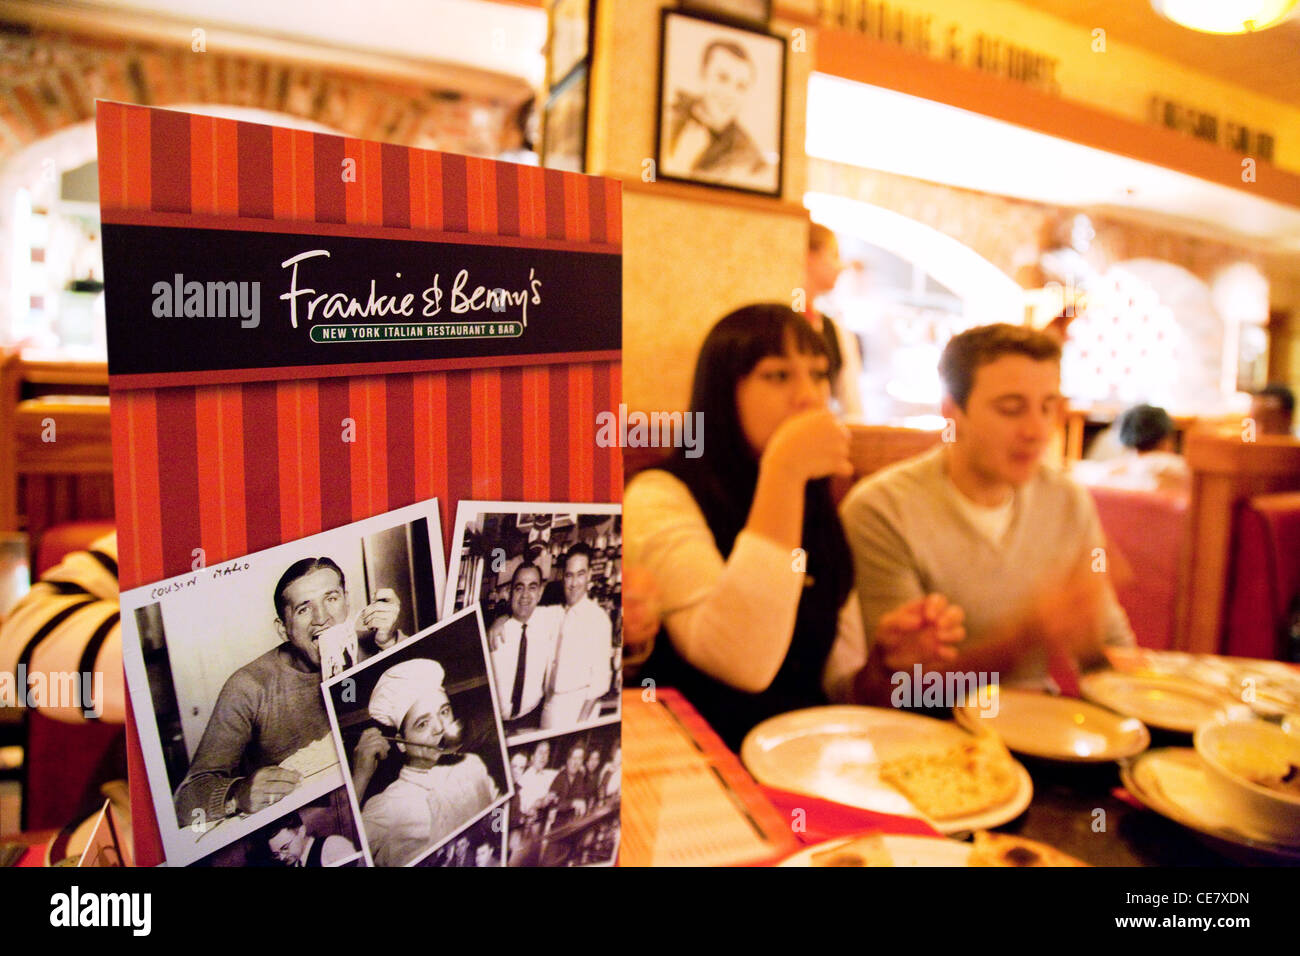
272 707
981 521
743 544
1149 464
1273 408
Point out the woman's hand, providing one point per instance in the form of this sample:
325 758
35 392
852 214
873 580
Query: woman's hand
641 618
809 445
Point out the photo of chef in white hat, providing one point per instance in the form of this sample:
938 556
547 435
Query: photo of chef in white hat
398 716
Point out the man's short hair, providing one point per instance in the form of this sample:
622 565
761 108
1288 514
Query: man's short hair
1282 393
291 821
301 569
1144 427
524 565
727 46
967 351
577 549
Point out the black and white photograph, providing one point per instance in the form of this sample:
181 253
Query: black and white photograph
568 37
721 104
565 809
481 844
564 124
319 834
418 728
225 666
548 579
753 12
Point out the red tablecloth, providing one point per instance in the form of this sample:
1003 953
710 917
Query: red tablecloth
822 820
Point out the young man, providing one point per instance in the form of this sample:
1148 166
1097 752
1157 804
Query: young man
982 522
584 667
705 137
271 707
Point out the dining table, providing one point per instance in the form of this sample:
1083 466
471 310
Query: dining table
688 799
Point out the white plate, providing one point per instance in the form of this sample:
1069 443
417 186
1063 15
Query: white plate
835 753
1164 702
904 850
1171 781
1055 728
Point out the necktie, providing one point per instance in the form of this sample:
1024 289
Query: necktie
517 695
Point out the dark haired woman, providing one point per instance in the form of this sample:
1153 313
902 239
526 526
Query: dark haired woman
744 545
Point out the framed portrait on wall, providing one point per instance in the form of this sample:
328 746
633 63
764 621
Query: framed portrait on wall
568 37
754 12
564 124
721 104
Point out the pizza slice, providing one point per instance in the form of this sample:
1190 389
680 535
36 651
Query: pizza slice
972 777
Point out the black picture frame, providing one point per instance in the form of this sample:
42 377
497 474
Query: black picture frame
747 152
568 38
564 124
756 13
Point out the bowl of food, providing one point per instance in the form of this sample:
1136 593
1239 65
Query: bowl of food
1254 774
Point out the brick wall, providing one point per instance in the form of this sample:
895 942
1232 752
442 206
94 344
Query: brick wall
50 80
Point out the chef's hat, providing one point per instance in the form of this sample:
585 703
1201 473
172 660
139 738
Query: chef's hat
401 686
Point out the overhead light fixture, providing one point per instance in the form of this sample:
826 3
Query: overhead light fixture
1218 16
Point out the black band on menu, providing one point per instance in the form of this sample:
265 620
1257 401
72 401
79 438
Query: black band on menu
275 300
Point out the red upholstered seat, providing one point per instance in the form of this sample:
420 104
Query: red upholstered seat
1149 529
1265 575
65 764
62 538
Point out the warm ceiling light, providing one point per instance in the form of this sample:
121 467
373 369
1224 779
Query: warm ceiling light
1218 16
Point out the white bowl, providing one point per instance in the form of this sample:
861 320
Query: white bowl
1231 749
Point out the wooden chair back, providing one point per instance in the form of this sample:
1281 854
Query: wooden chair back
1226 472
56 459
873 447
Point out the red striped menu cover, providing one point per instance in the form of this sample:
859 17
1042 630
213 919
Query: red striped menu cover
236 460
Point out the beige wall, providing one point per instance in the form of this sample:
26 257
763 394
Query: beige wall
690 253
686 264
